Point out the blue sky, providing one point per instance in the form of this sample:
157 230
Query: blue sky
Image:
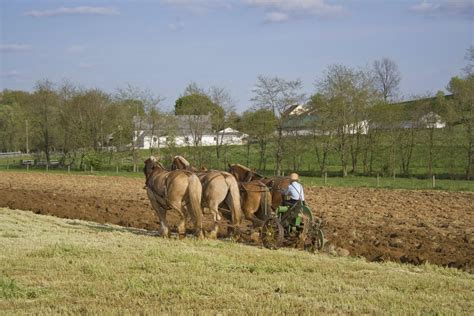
164 45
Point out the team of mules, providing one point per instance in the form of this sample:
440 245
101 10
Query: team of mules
187 190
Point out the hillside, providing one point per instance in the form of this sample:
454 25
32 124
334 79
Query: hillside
52 265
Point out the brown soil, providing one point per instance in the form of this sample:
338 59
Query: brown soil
378 224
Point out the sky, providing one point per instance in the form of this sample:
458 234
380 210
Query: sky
163 45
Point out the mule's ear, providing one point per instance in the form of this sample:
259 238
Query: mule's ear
153 159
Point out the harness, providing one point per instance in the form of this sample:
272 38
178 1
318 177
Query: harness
162 199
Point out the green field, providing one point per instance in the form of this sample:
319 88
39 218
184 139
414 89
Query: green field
449 158
51 265
350 181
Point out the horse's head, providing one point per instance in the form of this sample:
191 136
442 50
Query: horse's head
151 164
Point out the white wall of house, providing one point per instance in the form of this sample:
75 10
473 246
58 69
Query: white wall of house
229 138
360 128
433 120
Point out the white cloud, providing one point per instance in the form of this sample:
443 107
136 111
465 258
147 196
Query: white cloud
176 26
445 8
297 8
83 10
14 47
276 10
275 17
76 48
199 6
11 74
425 7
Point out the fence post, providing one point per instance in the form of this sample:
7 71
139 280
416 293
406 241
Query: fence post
27 167
433 182
325 178
68 168
378 180
47 167
92 169
8 165
116 169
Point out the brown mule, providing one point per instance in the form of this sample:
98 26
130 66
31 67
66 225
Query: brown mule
276 184
217 187
178 190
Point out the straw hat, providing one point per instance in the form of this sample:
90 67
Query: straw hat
294 177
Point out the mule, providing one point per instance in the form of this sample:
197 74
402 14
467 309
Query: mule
178 190
277 185
217 187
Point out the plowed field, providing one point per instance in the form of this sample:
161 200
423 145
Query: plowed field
378 224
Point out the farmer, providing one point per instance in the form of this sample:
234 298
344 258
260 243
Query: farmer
295 191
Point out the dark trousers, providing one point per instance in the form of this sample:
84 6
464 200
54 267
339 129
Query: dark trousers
291 202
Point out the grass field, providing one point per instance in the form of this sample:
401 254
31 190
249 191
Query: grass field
50 265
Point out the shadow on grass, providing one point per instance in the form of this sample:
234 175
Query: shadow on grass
113 228
244 232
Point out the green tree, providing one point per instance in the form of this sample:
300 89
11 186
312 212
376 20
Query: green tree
463 106
13 120
349 93
322 127
260 126
43 111
199 104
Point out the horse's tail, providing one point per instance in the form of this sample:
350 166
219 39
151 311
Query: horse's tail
194 195
233 199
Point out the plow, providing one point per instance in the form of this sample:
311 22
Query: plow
293 226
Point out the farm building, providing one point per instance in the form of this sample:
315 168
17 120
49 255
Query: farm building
304 121
184 130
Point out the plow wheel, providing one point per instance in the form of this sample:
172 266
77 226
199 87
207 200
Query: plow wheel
272 233
314 238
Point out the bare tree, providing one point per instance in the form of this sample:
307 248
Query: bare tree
142 100
193 88
278 95
469 69
387 78
222 98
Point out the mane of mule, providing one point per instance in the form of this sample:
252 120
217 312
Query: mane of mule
182 160
243 173
179 162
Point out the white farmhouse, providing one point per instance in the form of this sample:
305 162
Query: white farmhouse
184 130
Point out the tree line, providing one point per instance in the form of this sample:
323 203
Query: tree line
352 114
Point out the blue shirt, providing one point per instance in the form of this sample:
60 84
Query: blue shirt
295 191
